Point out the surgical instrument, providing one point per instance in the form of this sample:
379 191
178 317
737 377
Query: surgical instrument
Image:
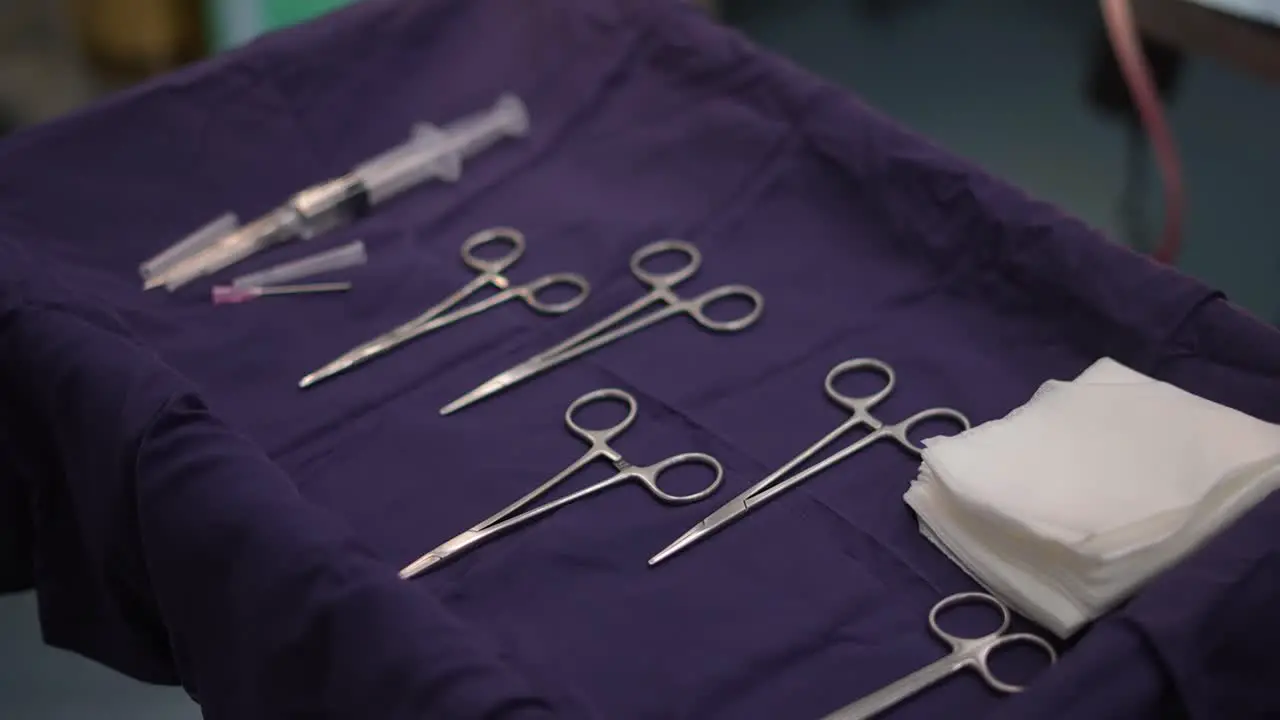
229 295
648 477
966 652
662 291
198 240
434 317
339 258
778 482
324 206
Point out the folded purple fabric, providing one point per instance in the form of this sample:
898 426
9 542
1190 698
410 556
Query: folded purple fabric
149 552
257 565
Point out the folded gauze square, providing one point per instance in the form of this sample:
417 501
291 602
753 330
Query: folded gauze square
1064 507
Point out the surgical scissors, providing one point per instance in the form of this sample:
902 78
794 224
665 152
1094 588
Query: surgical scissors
647 476
605 332
434 317
965 652
775 484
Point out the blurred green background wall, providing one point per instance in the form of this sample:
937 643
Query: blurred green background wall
232 22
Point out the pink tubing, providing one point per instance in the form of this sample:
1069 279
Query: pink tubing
1123 33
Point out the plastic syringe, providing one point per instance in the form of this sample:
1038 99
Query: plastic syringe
434 153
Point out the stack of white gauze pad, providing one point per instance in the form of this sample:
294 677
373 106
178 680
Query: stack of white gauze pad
1067 505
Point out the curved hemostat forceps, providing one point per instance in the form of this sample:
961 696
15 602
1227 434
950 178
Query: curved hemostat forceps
662 286
648 477
778 482
435 318
966 652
